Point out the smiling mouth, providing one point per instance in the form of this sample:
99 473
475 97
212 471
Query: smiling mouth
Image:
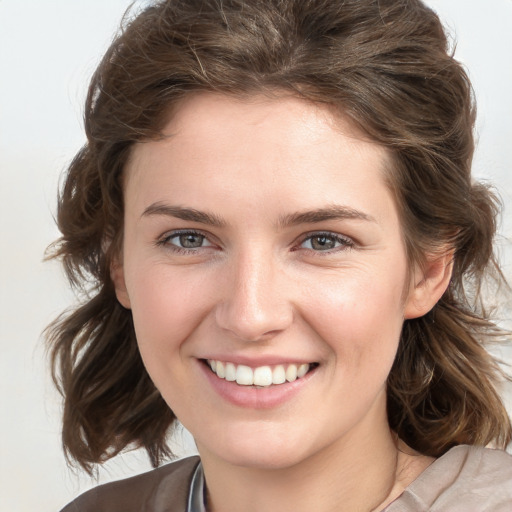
262 376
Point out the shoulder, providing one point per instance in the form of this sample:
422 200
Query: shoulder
465 478
164 489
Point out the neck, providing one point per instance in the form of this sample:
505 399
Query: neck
363 472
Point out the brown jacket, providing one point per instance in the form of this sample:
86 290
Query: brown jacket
162 490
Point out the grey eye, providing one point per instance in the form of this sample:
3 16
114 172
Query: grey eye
326 242
183 241
190 240
322 242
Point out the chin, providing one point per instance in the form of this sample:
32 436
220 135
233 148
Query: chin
263 459
257 450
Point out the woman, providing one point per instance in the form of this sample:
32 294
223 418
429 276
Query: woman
282 247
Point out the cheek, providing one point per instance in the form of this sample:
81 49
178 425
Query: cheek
359 317
166 306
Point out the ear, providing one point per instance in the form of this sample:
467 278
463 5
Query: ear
429 282
117 276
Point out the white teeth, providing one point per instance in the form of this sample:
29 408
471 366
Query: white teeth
220 371
302 370
244 375
291 373
262 376
230 372
278 375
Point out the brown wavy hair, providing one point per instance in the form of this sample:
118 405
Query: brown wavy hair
387 64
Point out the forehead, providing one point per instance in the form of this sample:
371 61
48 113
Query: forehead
296 119
299 153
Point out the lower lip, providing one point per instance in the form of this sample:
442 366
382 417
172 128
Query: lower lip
255 397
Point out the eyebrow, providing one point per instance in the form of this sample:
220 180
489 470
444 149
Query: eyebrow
184 213
334 212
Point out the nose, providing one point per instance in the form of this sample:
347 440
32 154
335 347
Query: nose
256 302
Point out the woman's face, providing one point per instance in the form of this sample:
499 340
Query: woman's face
261 235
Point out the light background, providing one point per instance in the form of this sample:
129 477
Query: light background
48 50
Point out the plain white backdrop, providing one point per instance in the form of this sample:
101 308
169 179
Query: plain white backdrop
48 51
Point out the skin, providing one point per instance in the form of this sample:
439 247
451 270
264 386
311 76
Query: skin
259 286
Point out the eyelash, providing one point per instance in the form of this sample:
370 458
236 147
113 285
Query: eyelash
345 242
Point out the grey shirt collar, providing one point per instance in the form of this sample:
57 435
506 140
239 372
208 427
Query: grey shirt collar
196 492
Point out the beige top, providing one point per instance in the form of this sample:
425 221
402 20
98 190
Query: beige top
465 479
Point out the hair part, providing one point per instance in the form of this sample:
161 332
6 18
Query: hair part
386 64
